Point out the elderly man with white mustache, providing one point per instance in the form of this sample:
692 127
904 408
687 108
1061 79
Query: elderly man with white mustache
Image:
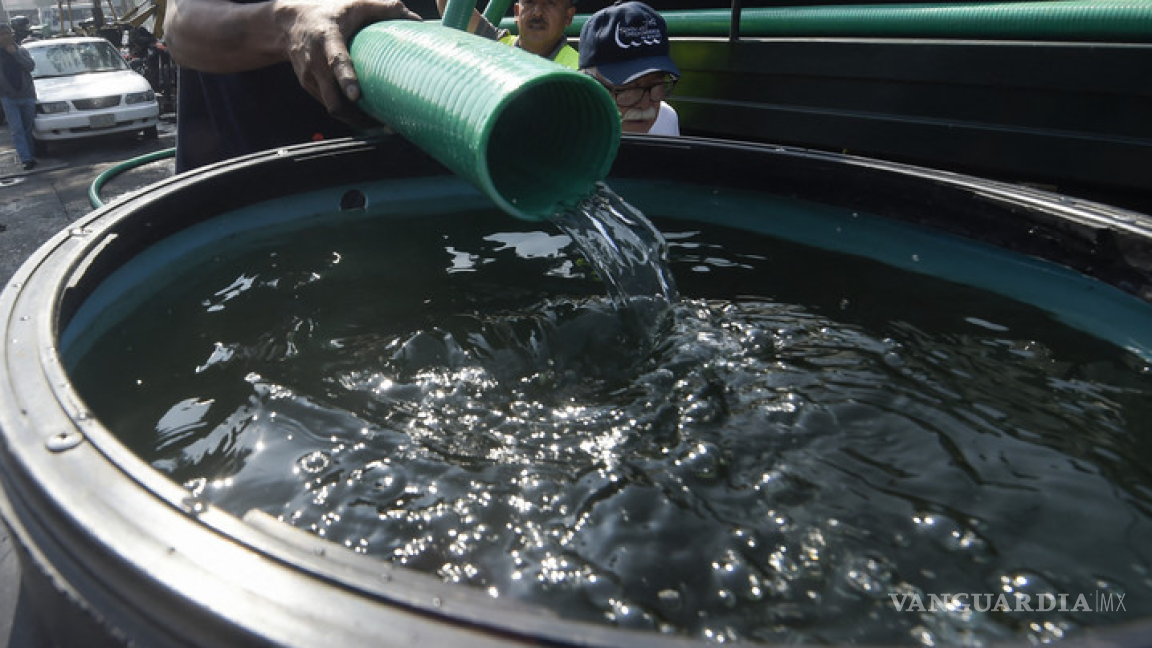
625 47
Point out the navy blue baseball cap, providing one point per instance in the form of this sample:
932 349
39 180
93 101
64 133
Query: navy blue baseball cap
626 41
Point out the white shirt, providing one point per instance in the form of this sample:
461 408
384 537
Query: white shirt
667 121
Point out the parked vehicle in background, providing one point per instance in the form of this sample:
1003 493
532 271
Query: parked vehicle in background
85 88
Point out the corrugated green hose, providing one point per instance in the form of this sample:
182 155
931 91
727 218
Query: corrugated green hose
534 136
1077 20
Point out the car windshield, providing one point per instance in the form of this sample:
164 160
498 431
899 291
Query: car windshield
67 59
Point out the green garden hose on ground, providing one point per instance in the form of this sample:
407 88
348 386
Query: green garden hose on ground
533 136
117 169
1073 20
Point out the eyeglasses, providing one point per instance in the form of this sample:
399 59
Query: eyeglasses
629 97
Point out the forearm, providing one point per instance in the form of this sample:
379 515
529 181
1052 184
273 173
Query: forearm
221 36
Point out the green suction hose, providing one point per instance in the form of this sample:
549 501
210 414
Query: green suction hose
495 10
1070 19
533 136
457 13
1076 20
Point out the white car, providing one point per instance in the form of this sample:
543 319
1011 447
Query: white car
84 88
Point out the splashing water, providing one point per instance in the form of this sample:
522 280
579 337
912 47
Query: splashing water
628 253
623 245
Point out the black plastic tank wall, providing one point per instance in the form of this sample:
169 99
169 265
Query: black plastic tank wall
1060 105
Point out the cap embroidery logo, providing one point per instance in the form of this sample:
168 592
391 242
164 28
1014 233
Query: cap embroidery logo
636 36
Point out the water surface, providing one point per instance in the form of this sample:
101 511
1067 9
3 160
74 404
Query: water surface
808 435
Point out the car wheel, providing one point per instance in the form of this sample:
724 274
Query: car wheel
40 148
151 133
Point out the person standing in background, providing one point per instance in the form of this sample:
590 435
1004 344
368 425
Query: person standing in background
541 25
18 94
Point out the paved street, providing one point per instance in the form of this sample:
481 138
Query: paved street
34 205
